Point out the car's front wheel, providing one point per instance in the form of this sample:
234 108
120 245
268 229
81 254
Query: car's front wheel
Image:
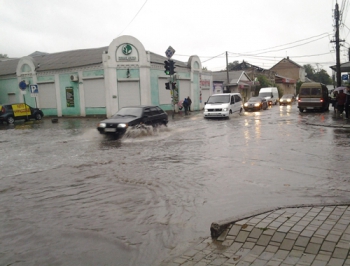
10 120
38 116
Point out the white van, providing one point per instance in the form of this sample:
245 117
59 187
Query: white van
270 94
223 104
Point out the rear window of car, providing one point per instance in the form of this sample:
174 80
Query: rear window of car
311 91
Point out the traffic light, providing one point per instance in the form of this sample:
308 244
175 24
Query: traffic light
173 85
167 86
172 67
167 67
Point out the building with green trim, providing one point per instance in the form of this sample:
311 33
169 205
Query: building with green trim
99 81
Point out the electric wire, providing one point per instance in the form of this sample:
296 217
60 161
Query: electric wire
133 18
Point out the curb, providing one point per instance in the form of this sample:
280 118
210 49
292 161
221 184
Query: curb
217 228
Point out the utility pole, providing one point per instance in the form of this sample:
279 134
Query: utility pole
228 79
337 45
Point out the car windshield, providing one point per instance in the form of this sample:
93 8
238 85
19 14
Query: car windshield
129 111
254 100
287 96
265 94
219 99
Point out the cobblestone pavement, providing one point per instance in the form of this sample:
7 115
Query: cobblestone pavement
316 235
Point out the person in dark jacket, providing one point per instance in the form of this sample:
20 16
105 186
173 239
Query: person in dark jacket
347 102
185 105
341 97
189 103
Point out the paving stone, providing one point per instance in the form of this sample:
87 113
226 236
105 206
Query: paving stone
272 249
332 238
256 232
316 222
312 248
269 232
262 225
336 262
277 244
246 227
249 258
322 257
343 244
281 254
274 262
223 235
321 232
190 253
257 250
234 247
249 245
298 228
241 222
291 260
234 230
328 246
299 248
278 237
242 236
336 232
302 241
284 229
249 239
219 261
307 233
254 221
295 253
345 237
340 253
319 263
307 258
259 262
317 240
264 240
227 242
341 227
287 244
292 236
266 255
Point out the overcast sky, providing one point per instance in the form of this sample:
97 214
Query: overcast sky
259 32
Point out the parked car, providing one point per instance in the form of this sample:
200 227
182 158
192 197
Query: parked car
133 116
287 99
256 104
19 111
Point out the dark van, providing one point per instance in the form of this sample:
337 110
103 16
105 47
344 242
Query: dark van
313 96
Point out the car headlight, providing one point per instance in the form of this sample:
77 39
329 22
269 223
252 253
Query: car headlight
246 104
205 110
224 109
122 125
288 100
102 125
257 104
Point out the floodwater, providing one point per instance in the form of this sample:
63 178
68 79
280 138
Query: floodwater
70 196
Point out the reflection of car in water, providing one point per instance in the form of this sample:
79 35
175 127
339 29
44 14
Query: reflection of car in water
287 99
19 111
255 104
223 104
133 116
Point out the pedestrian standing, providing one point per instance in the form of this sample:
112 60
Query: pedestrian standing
189 101
347 102
341 97
185 105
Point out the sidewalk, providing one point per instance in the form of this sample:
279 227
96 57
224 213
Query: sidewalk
298 235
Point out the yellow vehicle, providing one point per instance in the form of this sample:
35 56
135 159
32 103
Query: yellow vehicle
313 96
19 111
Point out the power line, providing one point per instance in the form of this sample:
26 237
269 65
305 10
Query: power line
288 43
133 18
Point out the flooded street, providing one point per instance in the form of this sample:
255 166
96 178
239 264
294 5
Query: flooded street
70 196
